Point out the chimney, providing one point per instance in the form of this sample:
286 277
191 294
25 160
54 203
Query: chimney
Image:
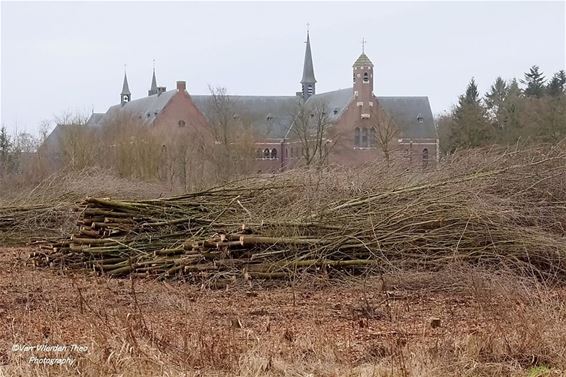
181 85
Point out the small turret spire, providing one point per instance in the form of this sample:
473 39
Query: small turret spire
125 96
153 89
308 81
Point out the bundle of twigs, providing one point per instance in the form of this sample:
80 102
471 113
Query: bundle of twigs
505 210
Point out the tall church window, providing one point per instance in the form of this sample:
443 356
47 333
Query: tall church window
274 154
364 142
425 157
372 137
266 153
366 77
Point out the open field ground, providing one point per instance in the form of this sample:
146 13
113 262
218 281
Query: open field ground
377 271
375 326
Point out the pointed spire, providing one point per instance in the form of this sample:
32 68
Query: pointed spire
308 69
125 87
153 90
308 82
125 96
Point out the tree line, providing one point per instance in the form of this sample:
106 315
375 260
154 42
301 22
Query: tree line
529 110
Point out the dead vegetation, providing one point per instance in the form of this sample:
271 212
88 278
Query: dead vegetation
505 210
50 209
465 279
490 325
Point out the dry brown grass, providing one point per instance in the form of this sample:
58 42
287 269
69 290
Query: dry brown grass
71 186
491 325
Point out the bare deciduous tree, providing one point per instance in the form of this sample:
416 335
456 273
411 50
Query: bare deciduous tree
382 131
310 128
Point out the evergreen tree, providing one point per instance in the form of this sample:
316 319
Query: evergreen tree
511 111
557 86
471 126
495 99
534 80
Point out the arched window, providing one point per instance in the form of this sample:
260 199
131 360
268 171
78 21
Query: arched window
364 142
357 137
266 153
258 153
274 154
366 77
372 137
181 123
425 157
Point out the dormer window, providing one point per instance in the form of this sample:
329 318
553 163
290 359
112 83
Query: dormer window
420 118
269 117
335 111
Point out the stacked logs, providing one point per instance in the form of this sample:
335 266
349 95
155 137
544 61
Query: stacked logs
304 221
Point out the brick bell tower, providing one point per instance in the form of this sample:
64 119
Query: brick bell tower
363 82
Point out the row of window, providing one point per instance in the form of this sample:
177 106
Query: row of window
266 154
271 154
365 137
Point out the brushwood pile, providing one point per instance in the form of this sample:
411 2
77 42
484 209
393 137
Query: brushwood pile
495 209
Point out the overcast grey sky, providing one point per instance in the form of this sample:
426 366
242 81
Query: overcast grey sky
70 56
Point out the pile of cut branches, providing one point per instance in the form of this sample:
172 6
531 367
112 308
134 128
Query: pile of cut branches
489 208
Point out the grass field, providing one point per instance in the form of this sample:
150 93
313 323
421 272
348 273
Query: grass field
374 326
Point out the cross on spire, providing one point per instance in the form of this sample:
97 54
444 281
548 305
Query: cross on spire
363 45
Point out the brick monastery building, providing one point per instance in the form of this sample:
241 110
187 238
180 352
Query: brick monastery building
349 114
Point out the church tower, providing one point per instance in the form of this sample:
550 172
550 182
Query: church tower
125 96
308 82
363 78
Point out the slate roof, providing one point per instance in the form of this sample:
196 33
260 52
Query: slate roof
362 61
94 120
145 108
271 116
405 111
